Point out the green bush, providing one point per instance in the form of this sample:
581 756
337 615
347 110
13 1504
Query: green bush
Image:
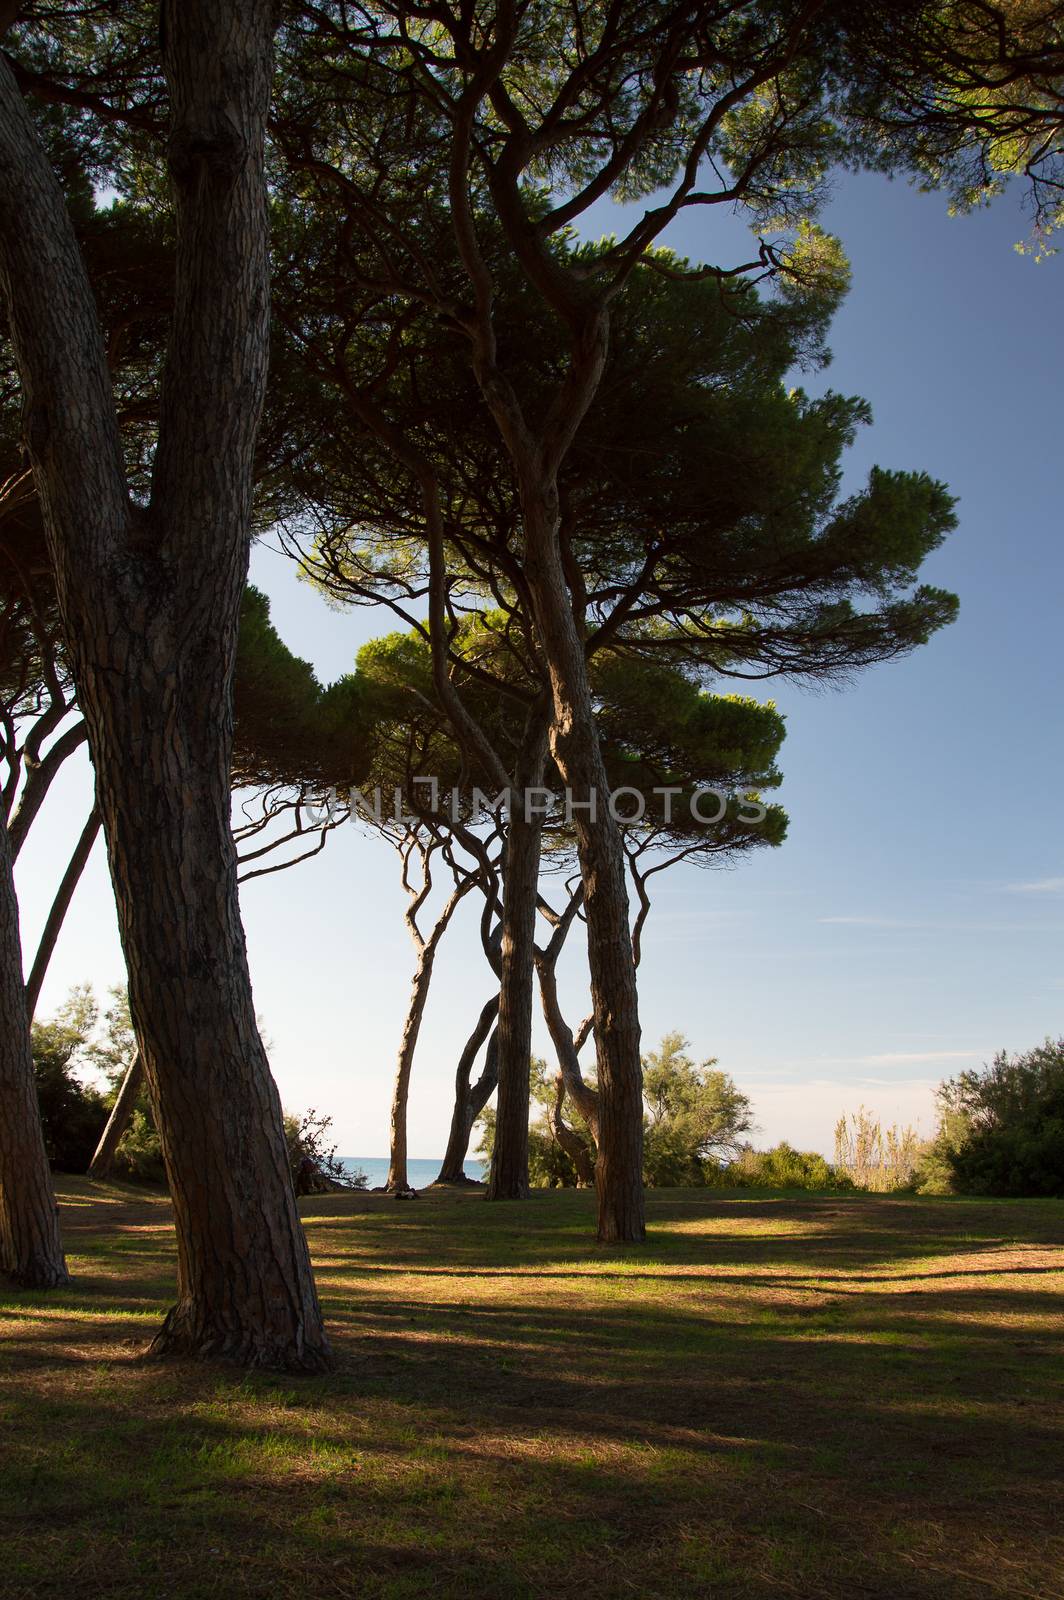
548 1165
73 1114
783 1167
1001 1129
694 1116
139 1156
670 1157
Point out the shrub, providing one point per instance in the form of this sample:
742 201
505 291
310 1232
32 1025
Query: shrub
1001 1129
548 1165
670 1156
694 1117
313 1163
139 1156
73 1114
783 1167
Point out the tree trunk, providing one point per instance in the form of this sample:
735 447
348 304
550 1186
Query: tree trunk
574 742
245 1291
60 906
509 1160
585 1099
119 1120
150 600
31 1251
397 1181
569 1140
575 748
40 775
470 1099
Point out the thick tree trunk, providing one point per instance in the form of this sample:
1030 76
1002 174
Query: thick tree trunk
244 1282
60 906
509 1160
121 1116
470 1099
150 600
31 1251
575 748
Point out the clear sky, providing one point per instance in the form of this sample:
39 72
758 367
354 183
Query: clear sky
912 923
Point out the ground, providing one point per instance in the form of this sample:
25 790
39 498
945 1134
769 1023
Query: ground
804 1396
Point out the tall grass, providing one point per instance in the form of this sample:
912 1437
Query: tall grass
877 1158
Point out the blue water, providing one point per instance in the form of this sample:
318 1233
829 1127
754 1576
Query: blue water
421 1172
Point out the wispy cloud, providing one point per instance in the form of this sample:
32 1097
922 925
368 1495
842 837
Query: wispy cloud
871 922
938 925
1039 886
887 1058
895 1056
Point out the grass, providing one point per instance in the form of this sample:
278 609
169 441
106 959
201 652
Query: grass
774 1396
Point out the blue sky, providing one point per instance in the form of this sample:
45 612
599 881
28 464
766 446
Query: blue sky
912 923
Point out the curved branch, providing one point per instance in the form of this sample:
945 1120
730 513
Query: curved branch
60 907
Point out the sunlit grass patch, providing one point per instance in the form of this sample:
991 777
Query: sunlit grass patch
772 1396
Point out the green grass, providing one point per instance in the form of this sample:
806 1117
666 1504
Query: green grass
774 1396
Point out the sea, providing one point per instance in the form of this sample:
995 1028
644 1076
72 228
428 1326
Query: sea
421 1172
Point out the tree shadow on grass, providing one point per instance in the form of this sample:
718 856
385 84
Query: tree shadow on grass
518 1413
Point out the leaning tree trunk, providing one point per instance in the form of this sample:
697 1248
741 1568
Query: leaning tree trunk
575 747
121 1116
150 598
245 1291
470 1099
398 1181
568 1139
31 1251
614 996
59 908
586 1100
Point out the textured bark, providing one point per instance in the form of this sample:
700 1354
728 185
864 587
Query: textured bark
537 457
121 1116
586 1099
31 1251
150 600
614 995
59 908
398 1180
509 1158
469 1098
568 1139
508 1179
